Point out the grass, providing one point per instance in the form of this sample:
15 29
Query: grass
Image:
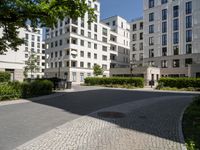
177 89
191 125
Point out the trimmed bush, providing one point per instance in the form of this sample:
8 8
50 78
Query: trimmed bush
180 82
4 76
135 82
8 92
16 90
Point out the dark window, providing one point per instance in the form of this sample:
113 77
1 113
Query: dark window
151 3
175 24
188 7
164 39
176 50
151 17
134 27
189 36
151 41
188 21
164 51
151 53
151 29
164 27
188 61
176 11
176 38
164 1
164 14
188 48
176 63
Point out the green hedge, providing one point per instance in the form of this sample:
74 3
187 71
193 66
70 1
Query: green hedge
15 90
179 82
136 82
4 76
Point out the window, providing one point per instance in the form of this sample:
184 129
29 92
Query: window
151 3
32 44
188 48
61 31
176 11
96 7
176 63
104 39
82 43
89 34
164 14
164 39
151 41
82 53
175 37
189 36
74 76
141 46
104 48
26 36
176 50
151 53
38 45
114 23
95 36
38 38
56 54
105 31
141 36
104 57
104 67
164 51
82 64
95 28
151 29
60 53
188 61
88 65
188 21
164 63
188 7
89 44
95 46
134 27
89 55
56 43
26 55
151 17
134 37
164 27
141 25
164 1
95 56
175 24
33 38
89 26
60 42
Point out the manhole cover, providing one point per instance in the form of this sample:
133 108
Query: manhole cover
111 114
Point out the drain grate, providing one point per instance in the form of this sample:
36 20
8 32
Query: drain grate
111 114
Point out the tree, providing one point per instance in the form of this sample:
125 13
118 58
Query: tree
31 65
97 70
15 14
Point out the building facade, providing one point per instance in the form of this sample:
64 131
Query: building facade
136 42
14 62
171 35
75 46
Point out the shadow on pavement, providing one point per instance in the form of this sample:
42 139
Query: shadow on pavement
86 102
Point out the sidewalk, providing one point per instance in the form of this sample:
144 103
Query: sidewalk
152 124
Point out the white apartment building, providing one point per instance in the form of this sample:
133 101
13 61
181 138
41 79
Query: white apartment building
172 35
75 46
136 42
119 41
14 62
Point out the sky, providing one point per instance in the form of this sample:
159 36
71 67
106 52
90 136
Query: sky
128 9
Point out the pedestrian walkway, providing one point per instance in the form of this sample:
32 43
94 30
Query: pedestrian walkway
148 124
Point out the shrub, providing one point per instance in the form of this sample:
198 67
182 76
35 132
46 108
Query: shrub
180 82
135 82
4 76
8 92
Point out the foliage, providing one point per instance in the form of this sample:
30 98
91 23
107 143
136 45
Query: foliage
31 65
4 76
8 92
191 125
134 82
180 82
97 70
14 14
15 90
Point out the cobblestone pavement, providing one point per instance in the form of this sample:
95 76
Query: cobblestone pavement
149 124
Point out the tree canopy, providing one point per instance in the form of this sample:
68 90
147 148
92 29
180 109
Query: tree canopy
14 14
97 70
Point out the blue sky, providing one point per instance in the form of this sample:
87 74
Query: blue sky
128 9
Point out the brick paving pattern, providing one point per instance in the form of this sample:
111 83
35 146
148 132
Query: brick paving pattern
149 124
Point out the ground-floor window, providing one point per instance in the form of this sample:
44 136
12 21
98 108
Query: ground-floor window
81 77
73 76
